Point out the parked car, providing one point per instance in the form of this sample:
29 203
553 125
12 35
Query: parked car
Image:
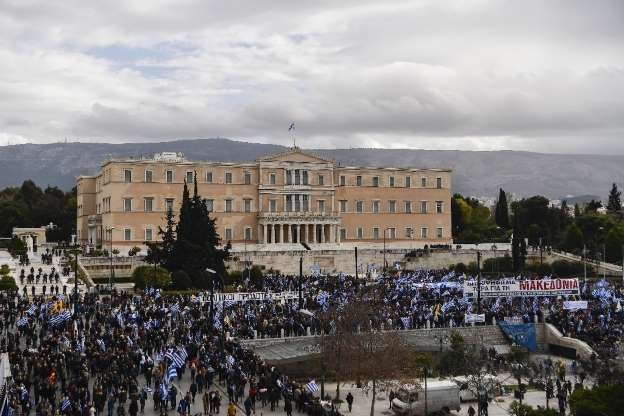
442 396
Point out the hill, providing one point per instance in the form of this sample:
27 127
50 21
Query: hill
475 173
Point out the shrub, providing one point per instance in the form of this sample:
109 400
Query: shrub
16 247
565 268
134 251
4 270
148 276
7 283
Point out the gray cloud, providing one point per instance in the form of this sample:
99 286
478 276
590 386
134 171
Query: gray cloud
531 75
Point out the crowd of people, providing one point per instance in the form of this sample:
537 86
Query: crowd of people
114 353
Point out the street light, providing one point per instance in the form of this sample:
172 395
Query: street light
213 273
112 269
75 251
384 246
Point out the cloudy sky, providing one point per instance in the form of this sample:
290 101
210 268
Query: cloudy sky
475 75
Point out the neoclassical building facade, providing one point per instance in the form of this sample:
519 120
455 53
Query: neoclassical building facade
273 202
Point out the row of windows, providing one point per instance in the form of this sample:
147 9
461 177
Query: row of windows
293 203
189 177
293 177
375 233
392 207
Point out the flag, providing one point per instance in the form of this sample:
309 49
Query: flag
312 387
175 308
228 303
175 358
172 373
182 353
230 360
22 322
163 390
407 322
291 127
65 404
60 318
32 310
102 345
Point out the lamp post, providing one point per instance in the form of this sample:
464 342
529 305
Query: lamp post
384 247
300 282
75 251
213 273
478 282
494 258
112 269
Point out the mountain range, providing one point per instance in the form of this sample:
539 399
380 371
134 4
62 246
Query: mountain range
476 173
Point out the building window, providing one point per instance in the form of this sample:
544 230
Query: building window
297 177
228 205
423 182
209 177
439 183
248 235
288 203
392 233
297 203
375 206
148 204
127 175
127 234
228 234
228 177
359 206
247 205
343 180
321 206
408 181
304 177
305 203
148 234
391 182
247 178
321 180
343 234
169 176
289 177
439 232
358 180
375 233
408 207
423 207
272 205
272 178
409 232
149 175
169 204
209 204
423 232
127 204
189 177
343 206
360 233
392 206
375 181
439 207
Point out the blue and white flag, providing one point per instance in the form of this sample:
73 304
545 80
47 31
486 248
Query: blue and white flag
60 318
102 345
175 308
65 404
175 358
32 310
164 391
230 360
172 373
312 387
407 322
22 322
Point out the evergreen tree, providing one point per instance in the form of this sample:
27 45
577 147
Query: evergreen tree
593 206
161 252
501 214
518 247
577 210
614 205
573 239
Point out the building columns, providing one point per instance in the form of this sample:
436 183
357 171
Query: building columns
287 233
295 229
322 234
265 236
272 233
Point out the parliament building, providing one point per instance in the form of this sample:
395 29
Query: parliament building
272 203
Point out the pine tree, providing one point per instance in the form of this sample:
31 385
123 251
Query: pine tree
615 204
577 210
501 215
518 247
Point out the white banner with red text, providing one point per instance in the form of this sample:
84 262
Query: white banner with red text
522 288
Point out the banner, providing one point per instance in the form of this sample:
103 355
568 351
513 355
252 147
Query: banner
575 305
522 288
521 334
254 296
473 317
513 320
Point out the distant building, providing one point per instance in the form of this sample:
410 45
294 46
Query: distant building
279 199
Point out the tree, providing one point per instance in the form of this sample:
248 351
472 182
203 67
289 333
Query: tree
577 210
7 283
593 206
518 248
519 409
502 210
161 252
573 239
151 276
16 247
519 359
614 205
614 241
604 400
454 361
180 280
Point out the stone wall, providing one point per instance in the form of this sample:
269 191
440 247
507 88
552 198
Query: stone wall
550 336
290 349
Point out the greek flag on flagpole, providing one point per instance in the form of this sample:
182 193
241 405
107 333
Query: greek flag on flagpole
60 318
175 308
163 390
230 360
176 360
312 387
182 353
22 322
102 345
407 322
65 404
32 310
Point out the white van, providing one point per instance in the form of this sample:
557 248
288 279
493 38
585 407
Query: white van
442 396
